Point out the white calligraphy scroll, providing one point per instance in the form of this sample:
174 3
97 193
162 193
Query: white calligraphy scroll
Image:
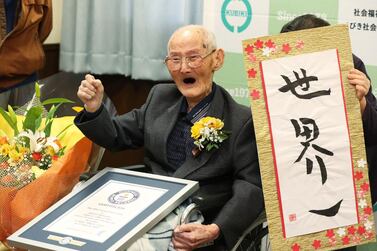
293 113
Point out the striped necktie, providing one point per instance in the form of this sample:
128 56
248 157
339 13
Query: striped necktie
3 21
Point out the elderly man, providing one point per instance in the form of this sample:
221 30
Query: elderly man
162 125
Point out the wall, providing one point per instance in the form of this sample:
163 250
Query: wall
57 8
234 21
51 45
124 92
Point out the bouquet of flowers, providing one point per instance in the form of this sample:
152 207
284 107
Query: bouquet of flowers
208 133
38 165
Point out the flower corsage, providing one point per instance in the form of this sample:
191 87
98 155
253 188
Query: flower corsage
208 133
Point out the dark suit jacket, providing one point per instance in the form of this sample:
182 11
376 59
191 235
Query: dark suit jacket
233 167
370 130
370 113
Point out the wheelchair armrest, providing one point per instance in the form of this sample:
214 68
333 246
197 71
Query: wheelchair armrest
190 211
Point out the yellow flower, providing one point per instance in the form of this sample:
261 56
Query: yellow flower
23 150
5 149
50 151
212 122
195 130
37 171
206 122
208 134
15 156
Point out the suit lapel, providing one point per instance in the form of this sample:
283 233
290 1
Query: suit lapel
193 163
167 122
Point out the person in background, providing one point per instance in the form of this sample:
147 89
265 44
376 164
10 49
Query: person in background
163 124
358 77
24 25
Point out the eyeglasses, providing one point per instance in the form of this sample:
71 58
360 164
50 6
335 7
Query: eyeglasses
174 63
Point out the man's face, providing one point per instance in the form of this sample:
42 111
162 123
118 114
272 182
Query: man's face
193 83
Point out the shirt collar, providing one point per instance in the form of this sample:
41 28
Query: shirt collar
200 110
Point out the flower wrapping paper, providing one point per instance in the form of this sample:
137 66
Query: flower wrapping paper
19 206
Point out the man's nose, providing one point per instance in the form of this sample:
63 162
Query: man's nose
184 66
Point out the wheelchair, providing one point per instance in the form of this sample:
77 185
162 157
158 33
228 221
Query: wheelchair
254 238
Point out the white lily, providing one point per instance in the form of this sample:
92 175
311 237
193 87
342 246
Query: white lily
51 141
38 141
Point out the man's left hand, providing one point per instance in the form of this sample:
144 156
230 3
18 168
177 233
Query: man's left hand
189 236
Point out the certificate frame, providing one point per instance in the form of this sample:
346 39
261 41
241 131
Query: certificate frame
37 234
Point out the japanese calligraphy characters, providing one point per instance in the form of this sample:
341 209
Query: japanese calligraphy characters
304 83
311 146
310 135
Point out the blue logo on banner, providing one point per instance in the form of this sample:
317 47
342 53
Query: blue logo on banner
232 13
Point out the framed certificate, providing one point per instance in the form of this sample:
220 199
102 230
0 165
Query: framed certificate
109 212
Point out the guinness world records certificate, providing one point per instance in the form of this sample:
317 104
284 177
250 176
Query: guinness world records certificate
109 212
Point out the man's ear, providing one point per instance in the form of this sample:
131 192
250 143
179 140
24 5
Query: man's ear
219 59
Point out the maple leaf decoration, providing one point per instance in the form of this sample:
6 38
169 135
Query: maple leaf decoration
300 44
296 247
330 233
316 244
365 187
258 44
286 48
249 49
345 240
359 175
270 44
252 57
361 230
351 230
368 210
255 94
251 73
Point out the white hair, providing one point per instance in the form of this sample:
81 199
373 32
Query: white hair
209 39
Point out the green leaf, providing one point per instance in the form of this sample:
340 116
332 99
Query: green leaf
12 114
61 151
9 120
210 146
51 112
68 126
31 116
49 119
38 122
56 101
47 129
37 90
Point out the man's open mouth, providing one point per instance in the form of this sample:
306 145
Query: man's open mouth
189 80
